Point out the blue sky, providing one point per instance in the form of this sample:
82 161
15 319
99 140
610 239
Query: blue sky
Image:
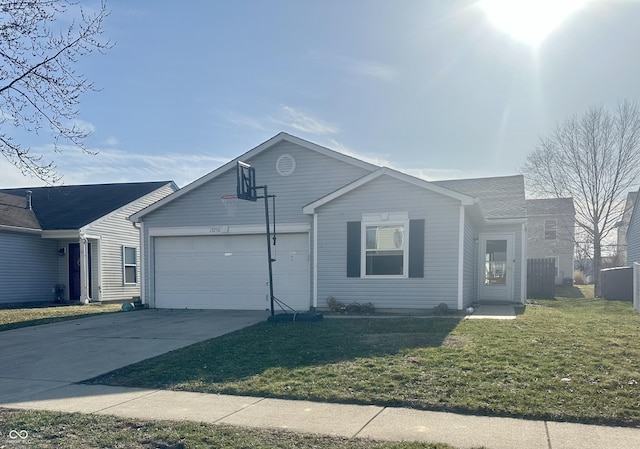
432 88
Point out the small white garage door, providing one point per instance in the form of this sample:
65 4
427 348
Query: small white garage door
230 272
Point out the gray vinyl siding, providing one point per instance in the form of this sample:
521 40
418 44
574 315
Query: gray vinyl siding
633 239
116 231
470 272
385 194
28 268
315 176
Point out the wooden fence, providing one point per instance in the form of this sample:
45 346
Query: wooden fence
541 278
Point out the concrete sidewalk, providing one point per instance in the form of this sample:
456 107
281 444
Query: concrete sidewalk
352 421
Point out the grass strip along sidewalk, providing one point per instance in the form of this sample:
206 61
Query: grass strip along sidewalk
569 359
52 430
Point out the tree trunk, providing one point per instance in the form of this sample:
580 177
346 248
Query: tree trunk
597 263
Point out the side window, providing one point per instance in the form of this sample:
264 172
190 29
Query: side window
550 229
129 265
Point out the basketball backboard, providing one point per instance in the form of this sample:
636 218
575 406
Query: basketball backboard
246 181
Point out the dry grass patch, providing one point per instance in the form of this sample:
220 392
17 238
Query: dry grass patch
14 318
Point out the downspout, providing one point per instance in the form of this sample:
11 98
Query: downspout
461 259
315 260
143 290
85 295
523 263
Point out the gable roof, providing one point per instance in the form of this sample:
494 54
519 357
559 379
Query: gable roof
550 206
500 197
14 212
72 207
464 199
280 137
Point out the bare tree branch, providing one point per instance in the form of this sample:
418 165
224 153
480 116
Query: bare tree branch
39 86
595 159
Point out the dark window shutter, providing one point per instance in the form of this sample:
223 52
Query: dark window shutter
416 248
353 249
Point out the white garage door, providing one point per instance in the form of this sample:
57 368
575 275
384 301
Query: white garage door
230 272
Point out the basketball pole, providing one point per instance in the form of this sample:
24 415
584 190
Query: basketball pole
266 197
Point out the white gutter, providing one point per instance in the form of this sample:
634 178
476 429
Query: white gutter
20 229
461 259
315 260
523 268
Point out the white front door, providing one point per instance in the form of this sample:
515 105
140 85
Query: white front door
496 267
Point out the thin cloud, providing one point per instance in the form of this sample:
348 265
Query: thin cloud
112 165
286 118
371 69
304 122
84 126
362 67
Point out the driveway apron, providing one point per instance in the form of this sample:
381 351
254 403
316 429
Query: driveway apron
40 358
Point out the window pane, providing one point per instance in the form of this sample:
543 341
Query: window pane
550 229
385 237
495 262
129 256
385 263
371 237
130 275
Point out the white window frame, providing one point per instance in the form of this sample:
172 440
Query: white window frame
555 222
126 265
385 219
557 259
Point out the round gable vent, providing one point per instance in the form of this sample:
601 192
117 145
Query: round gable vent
286 165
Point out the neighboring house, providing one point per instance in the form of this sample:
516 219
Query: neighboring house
345 228
633 250
623 226
633 232
76 237
551 228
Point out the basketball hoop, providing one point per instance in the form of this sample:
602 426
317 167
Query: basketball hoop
230 204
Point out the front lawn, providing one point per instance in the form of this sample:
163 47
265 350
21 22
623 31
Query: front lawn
573 359
32 316
52 430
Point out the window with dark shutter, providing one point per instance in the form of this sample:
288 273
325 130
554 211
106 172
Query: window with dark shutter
353 249
416 248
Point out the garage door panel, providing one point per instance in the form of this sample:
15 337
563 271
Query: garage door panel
230 272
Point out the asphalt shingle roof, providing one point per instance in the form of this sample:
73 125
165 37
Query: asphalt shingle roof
72 207
13 212
550 206
499 197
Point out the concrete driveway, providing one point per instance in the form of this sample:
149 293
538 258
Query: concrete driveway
36 359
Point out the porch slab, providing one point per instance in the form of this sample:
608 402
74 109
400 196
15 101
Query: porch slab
493 312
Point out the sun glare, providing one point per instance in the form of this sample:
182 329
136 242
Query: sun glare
529 21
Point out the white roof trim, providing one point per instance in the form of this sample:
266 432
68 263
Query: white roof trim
465 200
281 137
505 221
61 234
20 229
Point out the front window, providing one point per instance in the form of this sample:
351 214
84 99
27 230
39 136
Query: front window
385 250
129 265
